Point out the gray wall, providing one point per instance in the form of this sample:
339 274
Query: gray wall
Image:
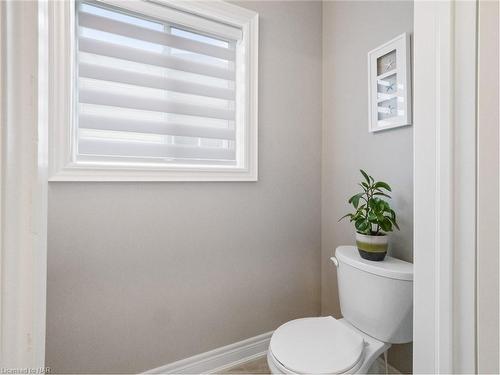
350 30
143 274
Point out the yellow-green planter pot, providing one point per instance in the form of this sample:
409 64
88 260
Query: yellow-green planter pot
372 247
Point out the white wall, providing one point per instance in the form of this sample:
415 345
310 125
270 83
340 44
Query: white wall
143 274
350 30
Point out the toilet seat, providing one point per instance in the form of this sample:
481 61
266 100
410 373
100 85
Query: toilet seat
316 345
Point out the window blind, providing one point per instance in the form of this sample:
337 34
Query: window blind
152 91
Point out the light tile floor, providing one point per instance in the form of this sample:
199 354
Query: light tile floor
259 366
256 366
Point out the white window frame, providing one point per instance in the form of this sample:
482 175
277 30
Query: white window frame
63 165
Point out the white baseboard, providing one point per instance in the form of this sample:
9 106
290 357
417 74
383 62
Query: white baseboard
218 359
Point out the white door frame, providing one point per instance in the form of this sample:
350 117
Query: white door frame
445 187
488 190
23 183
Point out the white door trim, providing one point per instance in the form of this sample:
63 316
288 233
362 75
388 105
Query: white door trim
444 185
23 180
464 187
488 341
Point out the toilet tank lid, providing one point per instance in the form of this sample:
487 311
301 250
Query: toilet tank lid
390 267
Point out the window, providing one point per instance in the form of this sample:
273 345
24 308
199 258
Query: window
156 91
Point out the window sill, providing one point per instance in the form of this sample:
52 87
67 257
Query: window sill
75 172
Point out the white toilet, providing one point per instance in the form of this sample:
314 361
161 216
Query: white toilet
376 300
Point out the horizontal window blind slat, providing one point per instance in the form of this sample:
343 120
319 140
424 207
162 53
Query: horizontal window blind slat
132 31
93 96
88 121
153 150
99 47
153 81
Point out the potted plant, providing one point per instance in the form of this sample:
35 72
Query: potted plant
373 218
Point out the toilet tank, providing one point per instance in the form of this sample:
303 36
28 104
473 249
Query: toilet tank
376 297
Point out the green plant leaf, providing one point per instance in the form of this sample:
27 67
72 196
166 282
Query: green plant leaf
381 184
395 224
362 225
380 205
365 175
358 223
347 215
362 187
381 193
355 199
386 225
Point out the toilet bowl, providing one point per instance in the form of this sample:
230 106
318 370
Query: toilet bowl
376 302
322 345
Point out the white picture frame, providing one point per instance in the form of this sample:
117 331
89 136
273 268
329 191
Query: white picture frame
389 85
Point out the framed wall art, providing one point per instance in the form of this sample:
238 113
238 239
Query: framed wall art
389 85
